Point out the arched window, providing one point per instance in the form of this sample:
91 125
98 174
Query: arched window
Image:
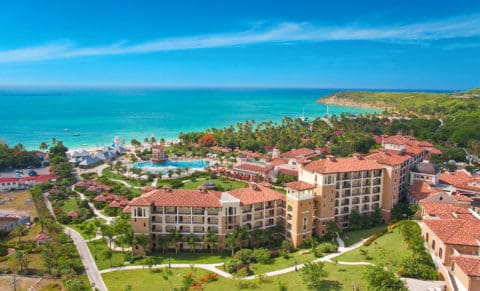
433 244
289 208
426 237
440 253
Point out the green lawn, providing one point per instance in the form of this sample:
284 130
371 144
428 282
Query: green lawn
352 237
339 278
98 247
195 258
279 263
387 249
69 205
220 182
78 228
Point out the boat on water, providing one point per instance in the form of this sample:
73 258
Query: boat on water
76 134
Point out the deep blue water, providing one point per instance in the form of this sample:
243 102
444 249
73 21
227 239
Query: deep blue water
97 115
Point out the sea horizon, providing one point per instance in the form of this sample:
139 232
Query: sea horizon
92 117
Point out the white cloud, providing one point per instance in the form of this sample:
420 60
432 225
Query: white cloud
288 32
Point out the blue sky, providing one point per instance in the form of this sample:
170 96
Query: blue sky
325 44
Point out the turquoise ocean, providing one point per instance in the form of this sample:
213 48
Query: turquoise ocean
93 117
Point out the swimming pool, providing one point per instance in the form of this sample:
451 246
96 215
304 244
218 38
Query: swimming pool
200 164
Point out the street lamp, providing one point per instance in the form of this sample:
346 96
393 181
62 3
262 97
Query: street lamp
296 262
169 261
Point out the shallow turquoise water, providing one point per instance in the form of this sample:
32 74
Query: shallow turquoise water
83 117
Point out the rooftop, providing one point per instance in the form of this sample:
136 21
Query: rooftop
299 185
456 231
470 265
340 165
297 153
256 194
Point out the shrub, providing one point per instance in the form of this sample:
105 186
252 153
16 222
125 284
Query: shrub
244 255
262 256
231 266
325 248
274 254
374 236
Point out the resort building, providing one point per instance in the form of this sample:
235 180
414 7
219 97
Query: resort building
329 190
13 184
198 212
452 233
158 154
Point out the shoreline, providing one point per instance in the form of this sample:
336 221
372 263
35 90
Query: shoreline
334 100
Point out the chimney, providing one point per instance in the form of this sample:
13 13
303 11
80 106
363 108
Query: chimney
358 156
331 158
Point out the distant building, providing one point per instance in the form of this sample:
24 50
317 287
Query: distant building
158 154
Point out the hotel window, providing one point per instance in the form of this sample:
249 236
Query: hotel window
304 223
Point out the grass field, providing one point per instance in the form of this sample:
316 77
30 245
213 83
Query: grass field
68 205
339 278
21 203
352 237
387 249
97 248
279 263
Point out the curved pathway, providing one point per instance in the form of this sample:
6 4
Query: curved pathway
214 267
87 260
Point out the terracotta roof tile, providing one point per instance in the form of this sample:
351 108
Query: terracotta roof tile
456 231
421 190
251 168
178 197
470 265
386 158
341 165
455 178
260 194
297 153
299 185
278 162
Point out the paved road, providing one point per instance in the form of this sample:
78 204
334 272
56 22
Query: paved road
91 269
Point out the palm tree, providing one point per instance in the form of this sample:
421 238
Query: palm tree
107 255
107 231
19 231
178 171
174 238
43 221
153 140
170 173
20 259
211 239
192 241
43 146
232 241
54 141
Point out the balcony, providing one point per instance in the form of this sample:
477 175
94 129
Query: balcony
170 228
170 219
185 219
198 211
269 205
213 229
184 210
246 218
346 185
355 201
246 209
258 216
170 210
213 211
376 198
157 210
184 229
198 220
212 220
198 229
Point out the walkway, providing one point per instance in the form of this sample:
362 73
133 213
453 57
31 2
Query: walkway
95 210
87 260
214 267
125 183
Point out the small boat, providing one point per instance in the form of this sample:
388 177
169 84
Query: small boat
76 134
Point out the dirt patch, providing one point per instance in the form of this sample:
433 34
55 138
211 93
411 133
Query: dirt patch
18 202
24 283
